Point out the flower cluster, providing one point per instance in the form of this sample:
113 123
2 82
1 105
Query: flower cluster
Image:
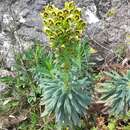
62 25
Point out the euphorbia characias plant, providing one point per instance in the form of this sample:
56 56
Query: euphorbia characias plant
66 91
64 27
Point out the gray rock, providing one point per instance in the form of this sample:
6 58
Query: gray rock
111 31
31 34
20 25
3 87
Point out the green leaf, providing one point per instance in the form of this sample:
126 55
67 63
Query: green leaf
128 74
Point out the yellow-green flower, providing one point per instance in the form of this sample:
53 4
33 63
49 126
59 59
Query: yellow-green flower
45 22
69 19
71 11
77 32
63 46
51 22
69 5
66 23
76 17
68 31
61 18
52 38
53 13
45 14
81 24
58 23
47 31
60 32
49 7
51 45
77 11
65 12
60 13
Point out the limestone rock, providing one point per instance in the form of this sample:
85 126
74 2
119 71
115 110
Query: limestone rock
20 25
111 31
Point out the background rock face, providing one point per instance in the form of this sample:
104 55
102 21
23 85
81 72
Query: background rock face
20 25
111 32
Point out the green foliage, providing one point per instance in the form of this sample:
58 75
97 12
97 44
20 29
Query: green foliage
126 127
68 104
66 93
94 128
112 124
120 52
23 88
116 93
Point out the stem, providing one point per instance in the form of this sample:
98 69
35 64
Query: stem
66 80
